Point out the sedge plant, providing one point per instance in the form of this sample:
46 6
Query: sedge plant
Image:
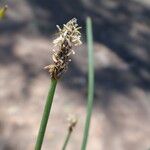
69 36
90 82
72 123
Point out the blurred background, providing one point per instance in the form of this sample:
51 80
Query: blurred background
121 114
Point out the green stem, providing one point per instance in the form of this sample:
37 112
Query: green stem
66 140
45 116
90 81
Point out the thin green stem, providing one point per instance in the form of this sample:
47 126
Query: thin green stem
66 140
45 116
90 81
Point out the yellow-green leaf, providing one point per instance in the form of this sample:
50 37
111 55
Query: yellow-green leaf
3 11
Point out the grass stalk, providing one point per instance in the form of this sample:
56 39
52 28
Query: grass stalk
66 140
90 82
45 116
72 123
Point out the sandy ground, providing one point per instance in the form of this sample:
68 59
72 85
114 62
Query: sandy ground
121 115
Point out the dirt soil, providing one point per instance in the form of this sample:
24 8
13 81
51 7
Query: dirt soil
121 114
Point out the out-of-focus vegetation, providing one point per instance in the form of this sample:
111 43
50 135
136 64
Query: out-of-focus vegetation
3 12
89 34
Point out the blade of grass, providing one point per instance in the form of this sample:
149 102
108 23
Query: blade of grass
90 81
45 116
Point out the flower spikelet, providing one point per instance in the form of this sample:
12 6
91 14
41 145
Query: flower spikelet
69 36
72 121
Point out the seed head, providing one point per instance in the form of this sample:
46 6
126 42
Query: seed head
69 36
72 121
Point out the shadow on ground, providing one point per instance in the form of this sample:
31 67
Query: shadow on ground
122 26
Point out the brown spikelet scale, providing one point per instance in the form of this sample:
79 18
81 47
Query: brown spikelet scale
69 36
